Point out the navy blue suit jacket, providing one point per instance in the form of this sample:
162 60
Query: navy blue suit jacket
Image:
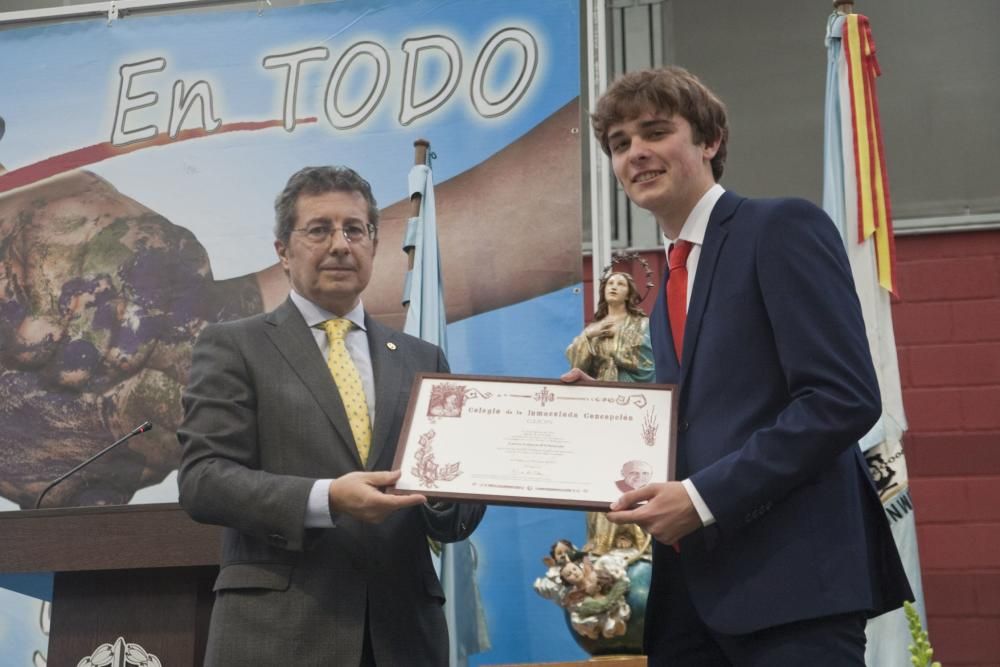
776 386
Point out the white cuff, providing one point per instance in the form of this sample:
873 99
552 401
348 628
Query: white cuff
705 514
318 507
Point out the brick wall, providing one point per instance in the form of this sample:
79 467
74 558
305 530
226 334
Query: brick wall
947 325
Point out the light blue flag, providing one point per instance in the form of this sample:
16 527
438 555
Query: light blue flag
423 292
888 635
425 319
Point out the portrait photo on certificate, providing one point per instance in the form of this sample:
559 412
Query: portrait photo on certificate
534 442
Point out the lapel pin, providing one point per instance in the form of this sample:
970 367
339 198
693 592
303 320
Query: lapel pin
391 345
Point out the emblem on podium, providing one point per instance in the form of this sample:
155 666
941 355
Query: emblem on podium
120 654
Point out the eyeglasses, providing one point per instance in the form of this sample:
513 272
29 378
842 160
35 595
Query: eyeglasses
354 232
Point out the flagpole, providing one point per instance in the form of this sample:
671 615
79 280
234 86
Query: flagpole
446 565
420 149
425 318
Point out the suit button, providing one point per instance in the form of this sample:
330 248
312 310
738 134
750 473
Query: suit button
682 426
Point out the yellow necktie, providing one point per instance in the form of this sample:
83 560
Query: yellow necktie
348 380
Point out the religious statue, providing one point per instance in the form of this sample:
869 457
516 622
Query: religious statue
592 591
603 585
615 346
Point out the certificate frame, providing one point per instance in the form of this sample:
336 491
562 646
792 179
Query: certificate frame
504 440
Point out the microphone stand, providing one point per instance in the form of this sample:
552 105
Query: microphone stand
142 428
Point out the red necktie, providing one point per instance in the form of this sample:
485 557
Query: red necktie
677 287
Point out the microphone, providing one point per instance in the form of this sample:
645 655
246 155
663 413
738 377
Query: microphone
141 428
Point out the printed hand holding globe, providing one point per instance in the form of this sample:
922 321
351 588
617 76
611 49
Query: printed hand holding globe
100 301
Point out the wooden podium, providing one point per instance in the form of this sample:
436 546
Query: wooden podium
140 572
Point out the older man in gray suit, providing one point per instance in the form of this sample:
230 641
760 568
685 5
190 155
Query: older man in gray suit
291 422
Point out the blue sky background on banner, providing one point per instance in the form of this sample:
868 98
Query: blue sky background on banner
62 96
229 181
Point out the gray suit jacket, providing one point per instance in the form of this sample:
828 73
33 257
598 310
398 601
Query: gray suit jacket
262 421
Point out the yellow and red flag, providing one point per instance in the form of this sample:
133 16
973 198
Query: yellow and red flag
874 211
856 196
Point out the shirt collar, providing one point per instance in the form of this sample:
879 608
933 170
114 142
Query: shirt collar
314 315
694 227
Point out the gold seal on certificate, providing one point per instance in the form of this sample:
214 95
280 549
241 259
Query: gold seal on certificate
534 442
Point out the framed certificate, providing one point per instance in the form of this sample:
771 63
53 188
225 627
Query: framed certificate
534 442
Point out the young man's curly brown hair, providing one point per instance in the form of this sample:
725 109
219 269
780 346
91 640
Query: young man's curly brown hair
668 91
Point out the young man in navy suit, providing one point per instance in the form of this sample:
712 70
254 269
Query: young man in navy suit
773 549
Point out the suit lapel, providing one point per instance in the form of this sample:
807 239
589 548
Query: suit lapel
289 333
715 238
386 350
